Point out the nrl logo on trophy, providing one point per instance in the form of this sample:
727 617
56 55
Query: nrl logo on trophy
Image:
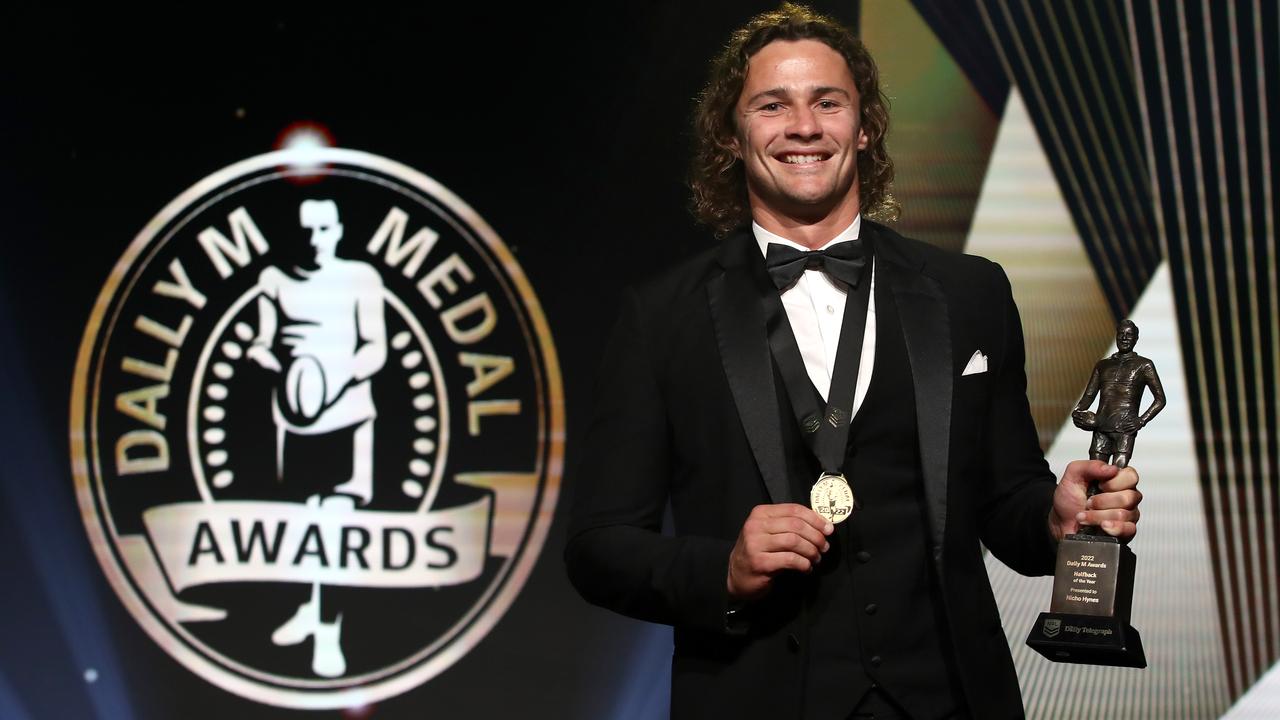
317 428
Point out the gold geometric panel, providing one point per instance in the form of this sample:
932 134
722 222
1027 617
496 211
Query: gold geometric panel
1022 223
940 129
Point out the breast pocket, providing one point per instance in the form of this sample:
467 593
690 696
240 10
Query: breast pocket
971 399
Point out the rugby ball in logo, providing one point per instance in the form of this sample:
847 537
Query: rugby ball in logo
305 388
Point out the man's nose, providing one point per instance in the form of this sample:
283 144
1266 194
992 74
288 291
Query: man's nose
803 123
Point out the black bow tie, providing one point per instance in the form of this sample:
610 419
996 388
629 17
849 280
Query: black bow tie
843 261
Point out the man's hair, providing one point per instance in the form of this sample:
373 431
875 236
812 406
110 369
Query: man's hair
718 178
1127 323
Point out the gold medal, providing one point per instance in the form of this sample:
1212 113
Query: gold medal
831 497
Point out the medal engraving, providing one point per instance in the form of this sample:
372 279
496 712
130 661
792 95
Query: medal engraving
832 498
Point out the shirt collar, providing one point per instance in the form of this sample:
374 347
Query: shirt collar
764 237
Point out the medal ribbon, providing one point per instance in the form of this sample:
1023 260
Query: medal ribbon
825 430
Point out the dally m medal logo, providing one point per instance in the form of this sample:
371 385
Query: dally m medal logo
1052 626
317 428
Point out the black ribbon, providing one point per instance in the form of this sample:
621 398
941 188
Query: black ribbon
843 261
825 430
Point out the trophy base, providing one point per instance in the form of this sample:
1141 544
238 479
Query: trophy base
1087 639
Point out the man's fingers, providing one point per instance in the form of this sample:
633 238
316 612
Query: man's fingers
1123 480
1089 470
1127 499
776 562
765 543
1102 517
793 543
796 510
1122 530
796 526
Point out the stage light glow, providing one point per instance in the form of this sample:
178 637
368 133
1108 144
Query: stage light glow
359 712
305 140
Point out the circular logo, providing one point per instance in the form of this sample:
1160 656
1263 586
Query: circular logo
317 428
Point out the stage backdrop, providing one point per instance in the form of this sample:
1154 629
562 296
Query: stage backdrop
300 314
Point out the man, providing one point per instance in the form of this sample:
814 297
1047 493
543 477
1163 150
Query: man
1122 379
721 381
337 339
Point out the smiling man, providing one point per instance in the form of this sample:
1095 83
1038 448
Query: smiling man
836 415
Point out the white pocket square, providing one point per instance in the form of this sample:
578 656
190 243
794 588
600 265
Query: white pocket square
977 364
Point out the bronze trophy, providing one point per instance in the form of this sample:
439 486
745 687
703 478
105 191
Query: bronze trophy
1088 618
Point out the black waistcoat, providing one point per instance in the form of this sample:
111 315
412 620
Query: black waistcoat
873 615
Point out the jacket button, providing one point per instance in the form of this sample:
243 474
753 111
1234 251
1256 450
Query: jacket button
864 556
875 661
871 608
793 642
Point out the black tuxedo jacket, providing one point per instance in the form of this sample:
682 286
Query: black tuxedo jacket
687 413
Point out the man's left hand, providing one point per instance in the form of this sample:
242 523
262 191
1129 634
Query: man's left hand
1084 419
1114 508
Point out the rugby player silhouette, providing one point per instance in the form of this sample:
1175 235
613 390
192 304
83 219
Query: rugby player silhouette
330 319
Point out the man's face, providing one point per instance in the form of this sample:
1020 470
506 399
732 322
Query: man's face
799 131
1126 338
322 220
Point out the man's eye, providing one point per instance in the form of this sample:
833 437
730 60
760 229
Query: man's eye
771 107
827 105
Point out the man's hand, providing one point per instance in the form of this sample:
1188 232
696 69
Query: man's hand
773 539
1114 508
262 355
300 333
1084 419
1128 424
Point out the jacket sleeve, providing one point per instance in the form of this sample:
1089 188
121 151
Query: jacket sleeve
616 555
1018 485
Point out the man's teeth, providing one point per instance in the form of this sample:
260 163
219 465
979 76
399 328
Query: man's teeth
797 159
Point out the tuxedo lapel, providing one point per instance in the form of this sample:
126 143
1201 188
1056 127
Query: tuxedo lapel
737 298
926 328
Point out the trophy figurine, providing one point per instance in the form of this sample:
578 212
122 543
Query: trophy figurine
1088 618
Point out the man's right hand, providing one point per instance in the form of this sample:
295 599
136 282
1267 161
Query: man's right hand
773 539
261 355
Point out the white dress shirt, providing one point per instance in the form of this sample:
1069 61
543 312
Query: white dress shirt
815 309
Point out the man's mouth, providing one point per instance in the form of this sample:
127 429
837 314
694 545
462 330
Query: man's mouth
799 159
